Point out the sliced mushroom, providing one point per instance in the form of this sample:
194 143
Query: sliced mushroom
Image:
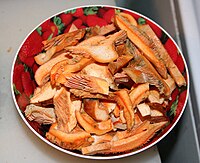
154 97
92 126
108 105
164 56
142 41
158 113
43 93
65 110
141 70
96 148
121 78
84 94
100 71
124 102
57 44
39 114
139 93
87 83
118 123
171 83
116 111
135 140
65 67
121 61
104 52
92 108
129 18
144 109
102 138
42 75
73 140
94 31
142 126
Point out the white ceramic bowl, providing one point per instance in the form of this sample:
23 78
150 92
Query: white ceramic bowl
95 10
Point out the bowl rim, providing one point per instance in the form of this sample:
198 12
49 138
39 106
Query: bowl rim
102 157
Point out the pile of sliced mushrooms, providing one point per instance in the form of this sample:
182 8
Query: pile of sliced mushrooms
104 90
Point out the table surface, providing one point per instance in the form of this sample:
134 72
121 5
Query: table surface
17 142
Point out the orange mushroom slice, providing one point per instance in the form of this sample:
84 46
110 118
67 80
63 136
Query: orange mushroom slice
57 44
136 140
96 148
124 102
124 141
93 109
154 97
119 122
141 40
139 93
87 83
42 75
144 109
116 111
140 127
65 67
164 56
84 94
171 83
92 126
100 71
100 31
104 51
158 113
43 93
108 105
65 110
140 70
102 138
73 140
121 61
42 115
128 18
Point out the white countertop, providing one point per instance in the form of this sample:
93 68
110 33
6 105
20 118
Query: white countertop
17 142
